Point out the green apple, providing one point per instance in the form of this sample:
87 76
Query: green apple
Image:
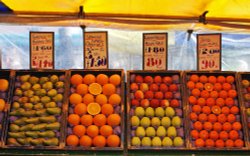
139 111
169 111
146 141
165 121
171 132
145 122
159 112
135 121
178 141
176 121
150 131
149 112
167 141
155 121
140 131
156 141
161 131
136 141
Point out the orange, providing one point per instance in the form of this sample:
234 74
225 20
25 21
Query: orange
220 102
79 130
221 79
229 143
223 94
225 110
212 79
204 94
85 141
227 126
106 130
4 85
203 79
209 87
115 79
214 135
99 120
209 143
214 94
113 141
75 98
206 110
80 109
72 140
202 117
210 102
196 108
82 89
194 134
76 79
167 80
219 143
231 118
95 88
99 141
201 101
194 78
173 87
115 99
196 92
114 120
216 109
2 105
157 79
208 126
199 85
74 119
217 87
109 89
217 126
222 118
237 126
107 109
86 120
101 99
192 100
93 108
234 110
229 102
193 116
88 98
198 125
102 79
232 93
223 135
199 143
238 143
89 78
212 118
92 131
230 79
233 134
203 134
190 84
226 86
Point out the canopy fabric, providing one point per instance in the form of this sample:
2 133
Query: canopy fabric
132 14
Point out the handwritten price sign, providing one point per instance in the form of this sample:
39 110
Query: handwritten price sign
209 52
41 50
95 50
155 51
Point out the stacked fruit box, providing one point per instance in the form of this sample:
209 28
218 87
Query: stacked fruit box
155 116
244 91
214 112
35 118
5 81
95 110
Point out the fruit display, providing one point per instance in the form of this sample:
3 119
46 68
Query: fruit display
4 95
35 116
95 111
213 108
155 110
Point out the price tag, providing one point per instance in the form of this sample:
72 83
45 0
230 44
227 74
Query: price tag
95 50
155 51
209 52
42 50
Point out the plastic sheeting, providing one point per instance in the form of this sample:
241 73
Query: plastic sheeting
125 48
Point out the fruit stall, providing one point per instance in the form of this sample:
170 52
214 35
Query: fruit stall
124 78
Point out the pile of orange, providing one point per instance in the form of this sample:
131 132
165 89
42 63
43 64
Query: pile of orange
214 111
93 119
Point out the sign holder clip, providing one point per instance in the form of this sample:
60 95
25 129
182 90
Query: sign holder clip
202 18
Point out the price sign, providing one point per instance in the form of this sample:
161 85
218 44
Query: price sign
95 50
209 52
155 51
41 50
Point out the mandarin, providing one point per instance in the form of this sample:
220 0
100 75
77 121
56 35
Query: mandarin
88 98
196 92
99 141
102 79
99 120
226 86
234 110
209 143
202 117
101 99
203 134
223 135
114 120
206 110
220 102
106 130
107 109
79 130
80 109
217 126
76 79
115 79
225 110
221 79
229 102
113 141
203 79
194 78
114 99
237 126
198 125
87 120
239 143
222 118
196 108
214 94
229 143
214 135
157 79
82 89
231 118
205 94
217 87
223 94
72 140
109 89
92 131
192 100
194 134
74 119
232 93
219 143
208 126
201 101
212 79
227 126
233 134
193 116
212 118
89 78
167 80
85 141
199 143
229 79
190 85
210 102
75 98
199 85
